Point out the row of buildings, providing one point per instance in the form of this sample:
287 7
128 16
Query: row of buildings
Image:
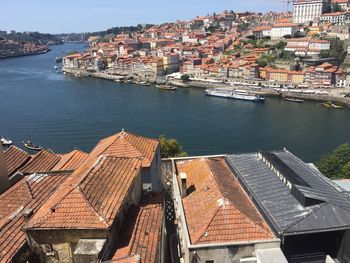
308 10
116 203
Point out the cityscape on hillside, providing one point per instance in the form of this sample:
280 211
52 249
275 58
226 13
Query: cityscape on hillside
135 198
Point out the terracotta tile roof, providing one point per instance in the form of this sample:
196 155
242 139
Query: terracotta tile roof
71 161
216 208
28 193
92 197
15 158
141 234
41 162
126 144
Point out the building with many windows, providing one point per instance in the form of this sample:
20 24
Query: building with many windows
308 10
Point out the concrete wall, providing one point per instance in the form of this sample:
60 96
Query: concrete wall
152 175
222 254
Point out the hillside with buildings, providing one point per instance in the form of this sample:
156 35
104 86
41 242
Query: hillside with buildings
14 44
305 47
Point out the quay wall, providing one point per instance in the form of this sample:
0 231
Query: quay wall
266 92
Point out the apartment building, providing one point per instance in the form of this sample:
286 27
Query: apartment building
307 10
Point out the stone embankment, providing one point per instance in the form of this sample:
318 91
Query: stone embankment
267 92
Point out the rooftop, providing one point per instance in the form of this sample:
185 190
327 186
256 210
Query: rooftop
43 161
91 197
294 196
140 237
15 158
28 193
126 144
217 210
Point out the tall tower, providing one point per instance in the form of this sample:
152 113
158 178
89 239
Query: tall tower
4 179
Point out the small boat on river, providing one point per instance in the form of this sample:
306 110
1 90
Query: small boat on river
331 105
166 87
29 145
6 142
293 100
143 83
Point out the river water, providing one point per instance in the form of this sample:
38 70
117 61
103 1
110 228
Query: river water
61 112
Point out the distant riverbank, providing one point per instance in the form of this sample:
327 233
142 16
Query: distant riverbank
23 54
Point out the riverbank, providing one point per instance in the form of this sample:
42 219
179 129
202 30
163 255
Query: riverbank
19 54
268 92
334 97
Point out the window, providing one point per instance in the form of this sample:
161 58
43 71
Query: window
209 261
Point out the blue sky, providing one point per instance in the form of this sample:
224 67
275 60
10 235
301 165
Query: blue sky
61 16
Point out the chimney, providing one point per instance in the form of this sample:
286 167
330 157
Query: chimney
183 177
4 178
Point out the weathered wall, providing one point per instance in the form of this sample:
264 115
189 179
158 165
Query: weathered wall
152 175
65 235
222 254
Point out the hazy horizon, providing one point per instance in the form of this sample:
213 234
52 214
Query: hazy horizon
90 16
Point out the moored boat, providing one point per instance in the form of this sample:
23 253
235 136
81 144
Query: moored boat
331 105
235 94
293 100
5 142
143 83
166 87
58 59
29 145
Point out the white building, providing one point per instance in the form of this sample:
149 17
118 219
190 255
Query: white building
307 10
334 18
305 46
282 28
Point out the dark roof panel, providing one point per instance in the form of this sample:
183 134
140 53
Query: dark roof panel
280 202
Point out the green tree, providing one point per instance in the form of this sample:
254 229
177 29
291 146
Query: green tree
261 62
336 8
337 163
280 45
324 54
185 77
170 147
345 171
329 165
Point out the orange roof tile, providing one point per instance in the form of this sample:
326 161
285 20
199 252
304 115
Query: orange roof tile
29 193
126 144
92 197
41 162
216 208
140 236
15 158
71 161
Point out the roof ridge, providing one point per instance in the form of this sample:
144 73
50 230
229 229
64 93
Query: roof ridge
126 139
91 206
305 216
207 225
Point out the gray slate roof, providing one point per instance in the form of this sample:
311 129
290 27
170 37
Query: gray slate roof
277 203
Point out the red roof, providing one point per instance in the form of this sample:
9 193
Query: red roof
15 158
92 197
126 144
41 162
29 193
140 236
71 161
217 209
